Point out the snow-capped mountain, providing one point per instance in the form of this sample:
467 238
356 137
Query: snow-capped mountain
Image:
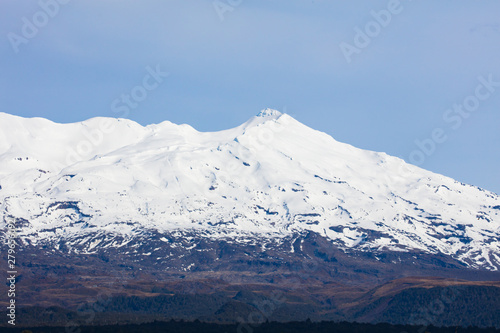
270 179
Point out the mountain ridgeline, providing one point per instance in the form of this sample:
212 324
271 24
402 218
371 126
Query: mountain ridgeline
109 206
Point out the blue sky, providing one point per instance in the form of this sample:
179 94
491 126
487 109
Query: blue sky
228 59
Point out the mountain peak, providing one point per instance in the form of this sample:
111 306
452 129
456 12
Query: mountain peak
269 113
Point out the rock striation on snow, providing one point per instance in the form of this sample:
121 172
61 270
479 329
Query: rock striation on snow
271 177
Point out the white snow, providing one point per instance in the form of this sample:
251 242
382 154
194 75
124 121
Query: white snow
271 176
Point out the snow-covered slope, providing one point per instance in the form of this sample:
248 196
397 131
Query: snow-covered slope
272 177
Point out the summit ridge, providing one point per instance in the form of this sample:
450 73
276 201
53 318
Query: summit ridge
274 178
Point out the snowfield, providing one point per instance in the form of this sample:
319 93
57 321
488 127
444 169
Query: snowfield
272 176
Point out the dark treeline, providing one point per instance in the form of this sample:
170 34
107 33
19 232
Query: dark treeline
443 307
268 327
